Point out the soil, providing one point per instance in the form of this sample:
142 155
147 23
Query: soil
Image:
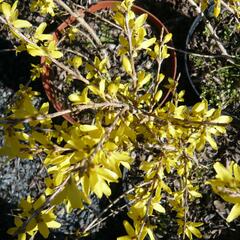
216 79
178 17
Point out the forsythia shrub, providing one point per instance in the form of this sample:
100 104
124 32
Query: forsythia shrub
83 159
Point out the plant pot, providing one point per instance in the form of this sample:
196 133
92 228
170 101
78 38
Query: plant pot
170 68
213 75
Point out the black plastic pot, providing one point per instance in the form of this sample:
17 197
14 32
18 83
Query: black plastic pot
196 85
192 29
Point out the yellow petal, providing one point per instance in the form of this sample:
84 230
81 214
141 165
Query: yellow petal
195 194
21 24
102 188
41 200
124 238
25 205
22 236
158 208
95 90
211 141
126 64
75 97
85 185
222 172
107 174
76 61
102 86
217 7
43 229
59 197
56 54
74 195
200 107
53 224
167 38
146 44
48 216
145 80
12 230
188 233
129 229
87 128
112 89
140 20
223 119
150 234
236 170
44 108
195 231
35 50
31 225
6 9
119 19
235 212
40 29
158 95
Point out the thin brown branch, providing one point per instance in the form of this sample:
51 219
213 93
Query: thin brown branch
153 188
7 50
145 115
168 93
81 20
98 219
185 195
63 112
107 134
230 9
98 16
129 36
210 28
200 54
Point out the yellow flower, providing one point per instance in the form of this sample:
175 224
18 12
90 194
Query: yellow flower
227 186
42 222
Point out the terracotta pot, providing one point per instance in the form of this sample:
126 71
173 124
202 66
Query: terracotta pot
171 62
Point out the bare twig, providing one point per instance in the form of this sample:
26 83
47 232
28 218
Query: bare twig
98 219
63 112
105 20
210 27
7 50
81 20
185 195
153 187
129 36
231 10
98 16
158 80
200 54
168 93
